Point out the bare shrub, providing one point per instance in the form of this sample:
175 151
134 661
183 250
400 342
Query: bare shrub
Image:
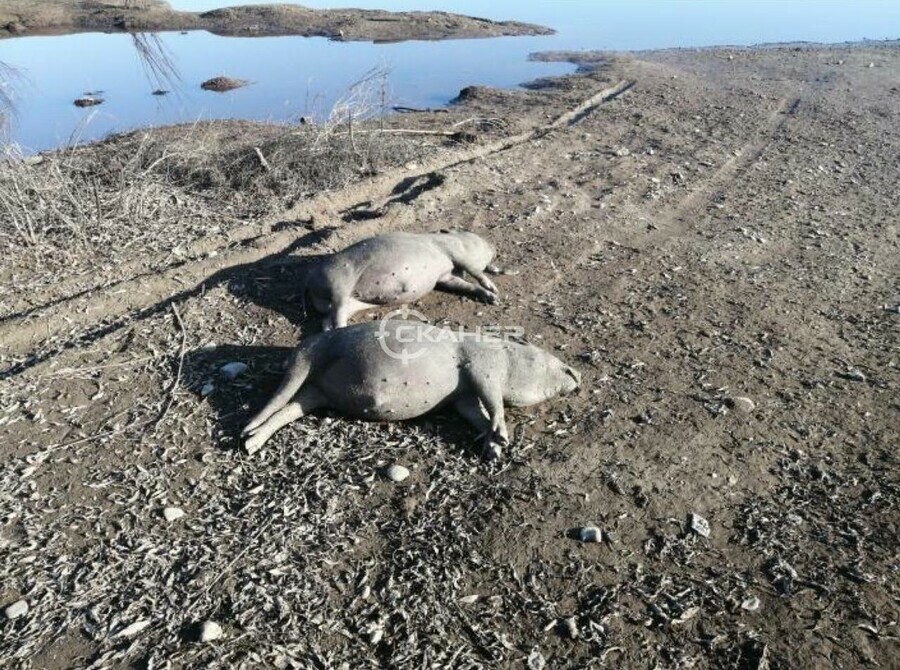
153 191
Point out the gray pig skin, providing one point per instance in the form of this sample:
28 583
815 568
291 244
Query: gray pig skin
361 372
398 268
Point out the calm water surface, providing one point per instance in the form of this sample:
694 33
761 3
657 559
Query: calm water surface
296 76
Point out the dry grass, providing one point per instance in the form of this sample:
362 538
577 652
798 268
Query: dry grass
157 190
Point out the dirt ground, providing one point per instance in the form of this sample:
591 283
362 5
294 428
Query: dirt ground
710 236
26 17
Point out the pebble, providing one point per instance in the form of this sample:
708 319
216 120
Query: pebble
209 631
751 604
699 525
590 534
396 473
172 513
536 660
468 600
208 388
742 404
232 370
17 609
855 375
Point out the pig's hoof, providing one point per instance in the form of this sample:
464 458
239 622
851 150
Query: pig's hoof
493 451
490 298
253 445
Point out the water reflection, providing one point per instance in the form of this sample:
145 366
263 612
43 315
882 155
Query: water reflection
293 77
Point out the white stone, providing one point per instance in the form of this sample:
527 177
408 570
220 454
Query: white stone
172 513
17 609
210 630
232 370
742 404
590 534
750 604
699 525
396 473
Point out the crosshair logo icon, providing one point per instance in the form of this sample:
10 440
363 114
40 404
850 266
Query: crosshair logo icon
406 334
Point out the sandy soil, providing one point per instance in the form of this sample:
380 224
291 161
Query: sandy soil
25 17
693 229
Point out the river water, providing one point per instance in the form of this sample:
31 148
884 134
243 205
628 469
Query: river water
297 76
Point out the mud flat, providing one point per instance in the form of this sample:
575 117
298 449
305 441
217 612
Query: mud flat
24 17
710 236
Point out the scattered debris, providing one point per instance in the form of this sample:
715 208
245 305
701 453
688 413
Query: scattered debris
569 627
699 525
132 629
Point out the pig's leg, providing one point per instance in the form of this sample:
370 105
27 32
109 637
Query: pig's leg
306 400
450 282
479 275
489 392
295 376
341 313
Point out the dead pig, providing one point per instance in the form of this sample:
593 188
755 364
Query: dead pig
398 268
396 370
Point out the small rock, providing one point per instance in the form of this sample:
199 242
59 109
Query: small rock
750 604
741 404
222 84
396 473
590 534
871 65
17 609
207 389
209 631
854 375
699 525
536 660
232 370
468 600
622 151
172 513
87 102
375 635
